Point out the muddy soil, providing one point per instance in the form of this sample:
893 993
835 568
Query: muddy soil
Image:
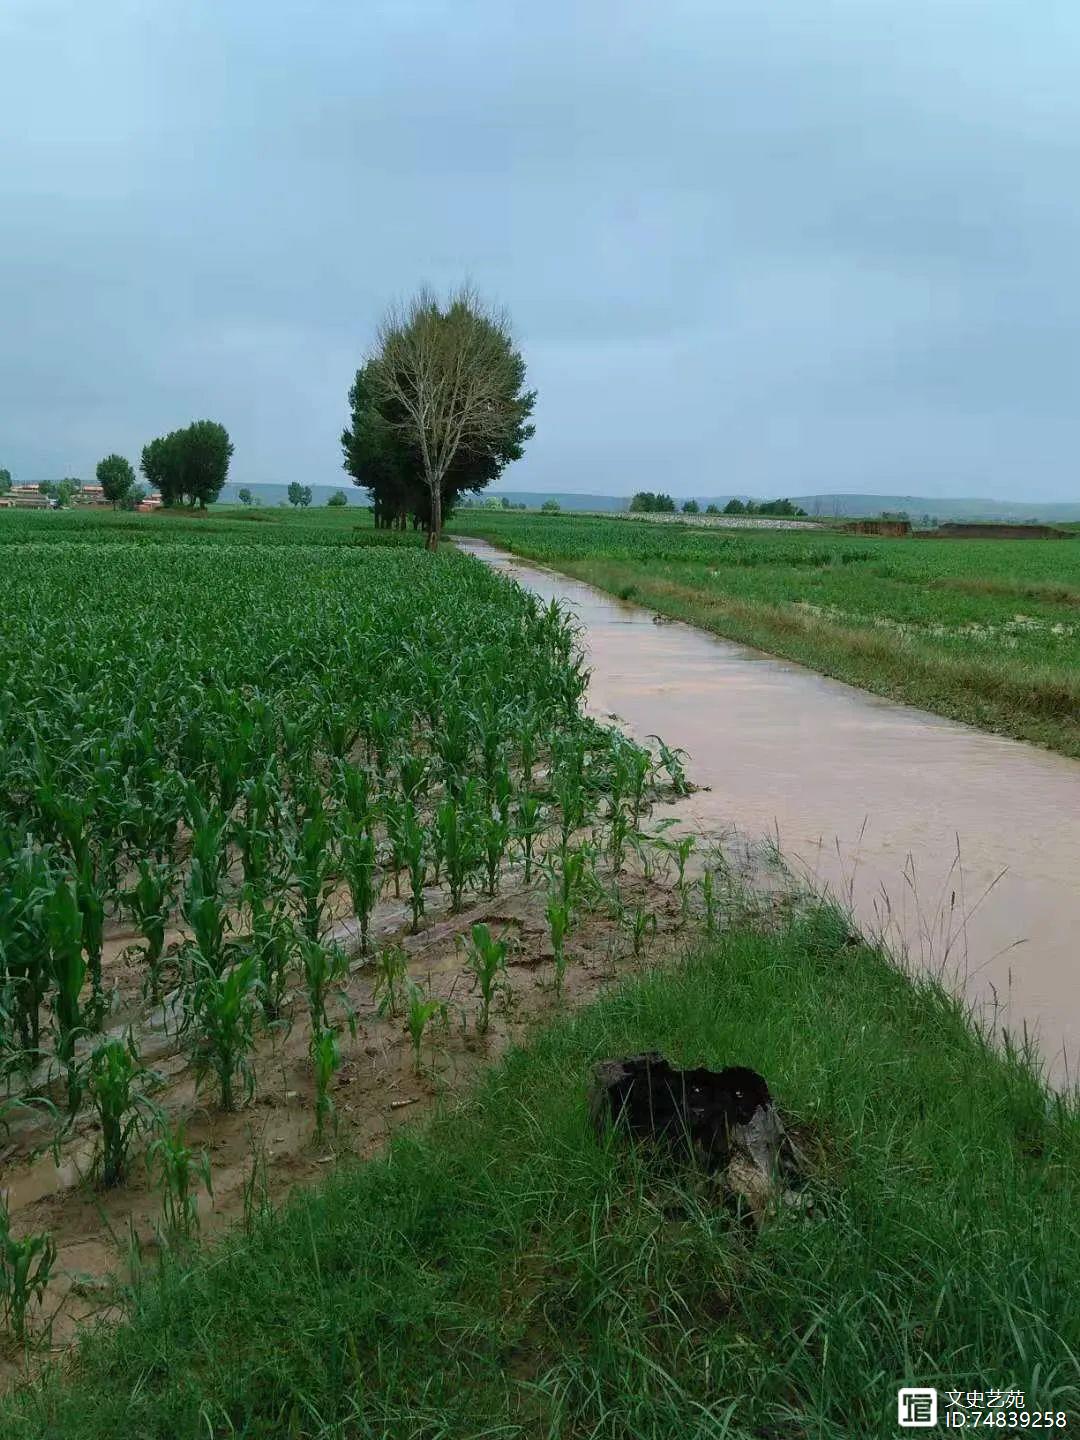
268 1145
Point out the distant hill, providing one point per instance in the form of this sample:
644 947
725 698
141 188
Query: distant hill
962 508
952 508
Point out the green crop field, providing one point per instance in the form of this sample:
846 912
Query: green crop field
986 631
223 736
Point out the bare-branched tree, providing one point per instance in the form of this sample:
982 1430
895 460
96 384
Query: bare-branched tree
449 380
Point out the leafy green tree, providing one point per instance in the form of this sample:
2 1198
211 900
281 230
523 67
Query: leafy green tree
66 489
665 505
643 503
712 509
691 507
160 464
47 488
306 496
550 507
735 507
189 465
447 385
245 496
5 481
337 499
116 478
206 450
296 493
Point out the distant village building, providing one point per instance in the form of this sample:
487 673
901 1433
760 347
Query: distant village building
25 497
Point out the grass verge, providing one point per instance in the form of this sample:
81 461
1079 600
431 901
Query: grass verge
991 688
499 1274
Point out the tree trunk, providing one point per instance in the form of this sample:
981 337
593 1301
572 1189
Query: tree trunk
436 517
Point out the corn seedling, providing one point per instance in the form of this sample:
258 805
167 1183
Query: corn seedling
420 1011
391 967
149 901
671 760
25 1268
529 826
114 1081
324 966
326 1057
414 853
486 959
63 927
358 859
221 1013
640 923
274 943
178 1168
496 839
558 918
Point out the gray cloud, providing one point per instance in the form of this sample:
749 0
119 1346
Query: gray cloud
828 244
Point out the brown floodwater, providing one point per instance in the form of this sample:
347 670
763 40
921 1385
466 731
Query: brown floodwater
957 848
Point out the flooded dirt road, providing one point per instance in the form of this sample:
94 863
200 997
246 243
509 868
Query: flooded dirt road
959 847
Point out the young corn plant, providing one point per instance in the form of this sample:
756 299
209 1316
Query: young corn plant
64 928
496 839
359 862
529 826
311 865
221 1013
25 1268
414 854
150 901
178 1168
558 918
326 1058
640 924
114 1083
455 837
486 959
324 966
274 943
206 914
420 1012
91 891
391 968
671 760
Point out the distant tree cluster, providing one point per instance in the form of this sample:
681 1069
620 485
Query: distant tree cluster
299 495
5 481
646 503
189 466
550 507
117 480
437 411
691 507
763 507
337 500
62 491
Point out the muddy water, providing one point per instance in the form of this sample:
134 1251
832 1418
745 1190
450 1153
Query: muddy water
959 848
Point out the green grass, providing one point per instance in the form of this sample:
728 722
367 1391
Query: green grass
984 631
499 1274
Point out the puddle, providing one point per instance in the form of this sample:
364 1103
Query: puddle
959 847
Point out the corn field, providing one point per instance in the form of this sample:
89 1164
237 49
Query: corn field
232 753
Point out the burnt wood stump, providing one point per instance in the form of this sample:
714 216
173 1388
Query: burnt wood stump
724 1120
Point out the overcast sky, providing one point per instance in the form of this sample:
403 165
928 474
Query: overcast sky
747 247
